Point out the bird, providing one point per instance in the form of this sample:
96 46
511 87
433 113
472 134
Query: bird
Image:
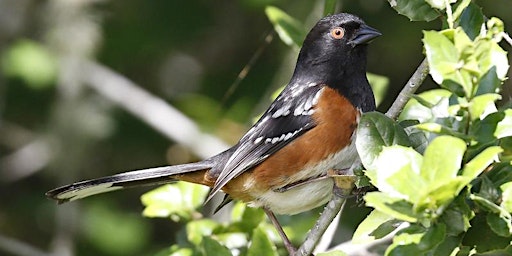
280 164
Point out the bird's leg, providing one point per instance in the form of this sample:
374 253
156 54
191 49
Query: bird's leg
289 247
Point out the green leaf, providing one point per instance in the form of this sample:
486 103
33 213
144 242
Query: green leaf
251 218
457 216
289 29
331 253
329 7
439 4
440 194
415 10
392 206
396 172
489 54
442 159
471 20
113 232
374 220
416 240
483 105
178 200
500 224
426 106
478 164
442 55
375 130
213 247
198 229
380 85
261 244
504 127
32 62
506 193
483 239
232 240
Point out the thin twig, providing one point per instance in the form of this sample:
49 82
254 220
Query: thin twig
409 89
330 211
16 247
153 110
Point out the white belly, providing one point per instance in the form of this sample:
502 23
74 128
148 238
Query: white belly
310 195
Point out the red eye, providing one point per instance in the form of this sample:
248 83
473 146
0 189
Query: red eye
337 33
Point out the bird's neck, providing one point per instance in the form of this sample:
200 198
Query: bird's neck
349 80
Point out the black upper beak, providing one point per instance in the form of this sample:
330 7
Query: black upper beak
364 35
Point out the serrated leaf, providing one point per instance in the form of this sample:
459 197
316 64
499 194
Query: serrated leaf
363 233
392 206
212 247
415 10
261 244
375 130
442 159
289 29
396 172
478 164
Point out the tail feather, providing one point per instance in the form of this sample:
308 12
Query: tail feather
146 177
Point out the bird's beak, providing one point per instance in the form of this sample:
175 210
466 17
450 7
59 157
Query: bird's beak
364 35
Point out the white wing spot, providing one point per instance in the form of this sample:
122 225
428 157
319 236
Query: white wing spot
258 140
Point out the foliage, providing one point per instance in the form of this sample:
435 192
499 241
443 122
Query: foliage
456 187
443 167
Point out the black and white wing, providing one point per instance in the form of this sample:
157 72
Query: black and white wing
287 118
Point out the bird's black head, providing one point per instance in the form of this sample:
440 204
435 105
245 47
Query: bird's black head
334 53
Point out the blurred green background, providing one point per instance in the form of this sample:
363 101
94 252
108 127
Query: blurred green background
55 128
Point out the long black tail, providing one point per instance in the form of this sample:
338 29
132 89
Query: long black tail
152 176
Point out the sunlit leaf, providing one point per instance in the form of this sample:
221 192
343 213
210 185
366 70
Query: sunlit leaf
198 229
363 233
482 105
178 200
477 165
290 30
379 85
331 253
417 240
31 62
441 54
506 192
442 159
375 131
504 127
397 172
392 206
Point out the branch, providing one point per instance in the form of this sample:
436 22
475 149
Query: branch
409 89
16 247
339 196
151 109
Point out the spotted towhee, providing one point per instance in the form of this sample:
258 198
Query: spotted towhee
281 163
